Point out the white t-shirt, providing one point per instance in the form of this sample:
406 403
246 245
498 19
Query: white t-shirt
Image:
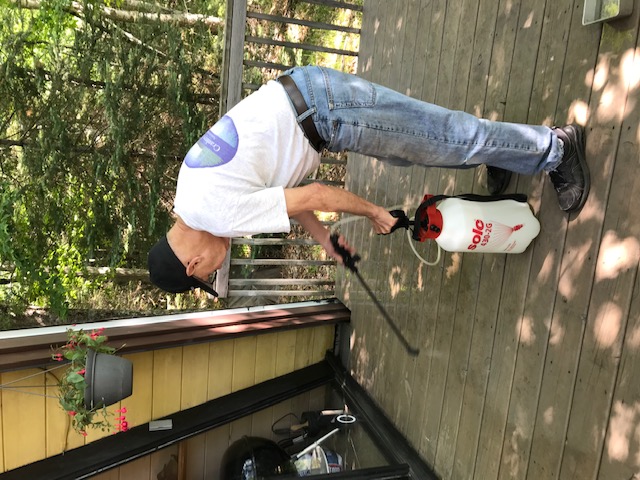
232 180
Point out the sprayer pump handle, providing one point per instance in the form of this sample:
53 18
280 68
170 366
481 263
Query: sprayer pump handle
348 260
402 222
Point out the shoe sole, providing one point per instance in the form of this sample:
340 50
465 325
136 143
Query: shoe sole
579 131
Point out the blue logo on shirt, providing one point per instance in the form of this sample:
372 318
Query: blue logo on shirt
216 147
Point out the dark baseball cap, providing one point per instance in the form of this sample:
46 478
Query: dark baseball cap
167 271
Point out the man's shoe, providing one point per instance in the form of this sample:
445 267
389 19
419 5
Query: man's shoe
497 180
571 177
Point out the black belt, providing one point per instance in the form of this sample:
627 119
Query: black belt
308 127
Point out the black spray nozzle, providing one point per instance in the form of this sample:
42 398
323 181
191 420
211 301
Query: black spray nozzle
348 260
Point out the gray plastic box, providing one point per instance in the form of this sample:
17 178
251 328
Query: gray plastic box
603 10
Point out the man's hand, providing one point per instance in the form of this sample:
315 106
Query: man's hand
382 221
322 235
330 248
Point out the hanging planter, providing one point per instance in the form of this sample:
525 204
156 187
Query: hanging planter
94 379
109 379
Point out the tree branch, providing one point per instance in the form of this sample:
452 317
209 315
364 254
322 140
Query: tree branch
183 18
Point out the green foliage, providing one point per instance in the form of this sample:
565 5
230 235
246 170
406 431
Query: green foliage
96 114
95 117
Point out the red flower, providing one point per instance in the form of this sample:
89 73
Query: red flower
82 372
83 433
72 413
57 357
122 410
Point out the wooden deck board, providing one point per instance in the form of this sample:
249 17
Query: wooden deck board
393 387
520 353
460 298
428 293
480 312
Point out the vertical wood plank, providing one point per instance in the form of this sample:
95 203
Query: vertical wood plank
195 383
358 168
407 289
286 353
23 420
426 293
163 461
322 341
488 267
452 262
285 363
266 347
516 108
396 288
461 305
167 378
220 369
372 266
139 404
244 363
195 375
220 383
217 442
513 285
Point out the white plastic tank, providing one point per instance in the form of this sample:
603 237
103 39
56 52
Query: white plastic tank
501 226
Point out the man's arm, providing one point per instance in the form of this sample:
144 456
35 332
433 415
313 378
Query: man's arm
324 198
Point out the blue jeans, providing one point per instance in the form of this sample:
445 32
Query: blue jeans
353 114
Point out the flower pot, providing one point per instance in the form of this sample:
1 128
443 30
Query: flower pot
109 379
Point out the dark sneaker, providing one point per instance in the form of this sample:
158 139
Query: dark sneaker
497 180
571 177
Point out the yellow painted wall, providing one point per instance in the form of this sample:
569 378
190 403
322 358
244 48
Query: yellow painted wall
165 381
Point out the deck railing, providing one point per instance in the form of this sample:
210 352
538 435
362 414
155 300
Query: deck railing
246 31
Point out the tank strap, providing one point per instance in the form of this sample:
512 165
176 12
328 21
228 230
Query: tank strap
518 197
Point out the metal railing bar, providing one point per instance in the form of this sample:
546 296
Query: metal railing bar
305 23
303 46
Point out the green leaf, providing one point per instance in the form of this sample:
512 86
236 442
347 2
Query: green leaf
75 378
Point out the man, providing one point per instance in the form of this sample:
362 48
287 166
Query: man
242 176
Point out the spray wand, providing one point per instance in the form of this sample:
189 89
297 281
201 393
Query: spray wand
349 262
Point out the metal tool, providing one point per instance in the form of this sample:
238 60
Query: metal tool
349 262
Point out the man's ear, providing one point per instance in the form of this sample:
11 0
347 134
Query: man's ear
192 264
